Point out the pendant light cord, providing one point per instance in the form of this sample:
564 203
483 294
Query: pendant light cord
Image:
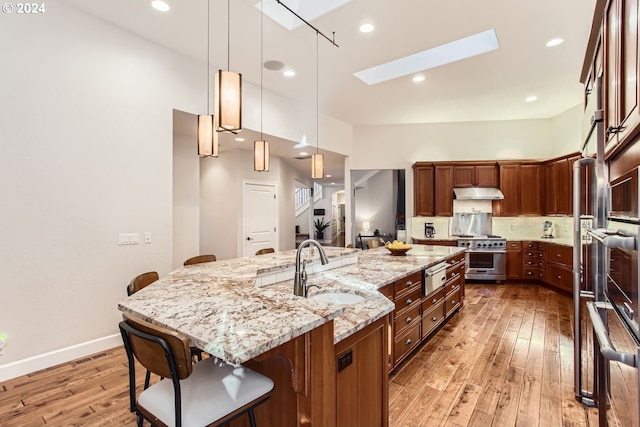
261 65
208 53
317 93
228 34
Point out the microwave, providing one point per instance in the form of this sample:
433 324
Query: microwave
624 197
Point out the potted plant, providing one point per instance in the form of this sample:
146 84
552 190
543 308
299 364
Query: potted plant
320 227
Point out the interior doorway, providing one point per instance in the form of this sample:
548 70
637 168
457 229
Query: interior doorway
260 216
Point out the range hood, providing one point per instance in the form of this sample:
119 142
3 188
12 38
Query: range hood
478 193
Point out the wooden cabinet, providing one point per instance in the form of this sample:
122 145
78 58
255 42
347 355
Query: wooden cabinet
416 315
510 187
361 377
514 260
475 176
559 262
622 116
423 195
533 265
532 182
443 190
559 187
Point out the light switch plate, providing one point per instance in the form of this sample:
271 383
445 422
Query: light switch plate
147 237
128 238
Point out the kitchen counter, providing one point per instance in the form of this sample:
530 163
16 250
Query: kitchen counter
566 241
226 309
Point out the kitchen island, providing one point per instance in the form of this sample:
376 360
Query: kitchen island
243 311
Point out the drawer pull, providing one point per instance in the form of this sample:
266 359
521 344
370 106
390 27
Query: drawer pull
408 320
408 341
559 256
454 302
434 318
559 277
409 283
433 301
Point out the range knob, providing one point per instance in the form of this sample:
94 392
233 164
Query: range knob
490 244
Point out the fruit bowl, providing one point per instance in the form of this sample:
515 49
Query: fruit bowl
398 251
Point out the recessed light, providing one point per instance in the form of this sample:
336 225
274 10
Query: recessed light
288 73
160 5
240 139
366 28
554 42
418 78
531 98
328 176
303 153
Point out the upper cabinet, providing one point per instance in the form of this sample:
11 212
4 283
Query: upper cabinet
532 184
475 175
620 32
424 185
443 190
510 187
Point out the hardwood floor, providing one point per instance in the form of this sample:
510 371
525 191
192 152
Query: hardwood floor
505 360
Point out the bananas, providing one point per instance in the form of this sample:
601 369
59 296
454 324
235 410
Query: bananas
397 245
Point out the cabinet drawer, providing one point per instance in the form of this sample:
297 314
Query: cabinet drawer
527 254
432 319
533 263
406 284
408 300
406 342
405 320
514 245
560 254
456 260
452 301
536 246
456 271
431 300
559 276
533 273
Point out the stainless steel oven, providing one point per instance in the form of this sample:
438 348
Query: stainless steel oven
485 258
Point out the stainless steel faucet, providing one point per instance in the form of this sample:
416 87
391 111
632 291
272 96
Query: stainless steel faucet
300 277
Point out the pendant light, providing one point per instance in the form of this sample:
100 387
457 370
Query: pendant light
228 93
207 135
261 148
317 160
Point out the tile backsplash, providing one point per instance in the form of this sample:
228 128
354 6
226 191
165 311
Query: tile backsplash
516 228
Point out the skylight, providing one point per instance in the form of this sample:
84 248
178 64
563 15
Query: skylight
440 55
308 9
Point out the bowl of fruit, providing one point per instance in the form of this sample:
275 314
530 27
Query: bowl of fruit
397 248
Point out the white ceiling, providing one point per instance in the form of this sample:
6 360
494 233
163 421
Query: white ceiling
491 86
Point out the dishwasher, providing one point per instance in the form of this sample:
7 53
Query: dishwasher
434 277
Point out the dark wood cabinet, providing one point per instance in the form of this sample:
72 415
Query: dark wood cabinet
532 182
558 263
510 187
550 189
559 187
423 195
443 190
435 242
475 176
533 265
622 115
514 260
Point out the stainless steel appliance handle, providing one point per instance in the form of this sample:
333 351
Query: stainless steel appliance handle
481 251
606 347
613 238
432 271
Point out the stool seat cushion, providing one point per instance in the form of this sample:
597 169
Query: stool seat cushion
213 390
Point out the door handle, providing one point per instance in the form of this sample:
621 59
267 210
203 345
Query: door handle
249 238
606 347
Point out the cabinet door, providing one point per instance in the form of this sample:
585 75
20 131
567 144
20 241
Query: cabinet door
514 260
550 184
486 176
510 187
464 176
611 31
444 190
531 185
423 190
563 187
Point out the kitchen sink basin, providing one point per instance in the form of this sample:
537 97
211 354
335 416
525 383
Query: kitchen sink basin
338 298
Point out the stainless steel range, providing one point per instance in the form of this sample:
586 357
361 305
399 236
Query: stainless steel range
486 257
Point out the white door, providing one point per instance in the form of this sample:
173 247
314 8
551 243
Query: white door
260 217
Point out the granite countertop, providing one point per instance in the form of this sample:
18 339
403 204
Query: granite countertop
566 241
225 308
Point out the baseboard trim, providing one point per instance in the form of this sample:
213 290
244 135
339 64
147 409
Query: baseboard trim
56 357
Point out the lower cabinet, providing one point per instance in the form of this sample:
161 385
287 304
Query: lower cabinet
514 260
547 262
416 315
362 389
435 242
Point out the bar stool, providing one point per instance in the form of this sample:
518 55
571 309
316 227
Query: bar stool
208 393
200 259
265 251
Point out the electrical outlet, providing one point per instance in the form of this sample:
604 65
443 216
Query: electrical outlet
147 237
128 239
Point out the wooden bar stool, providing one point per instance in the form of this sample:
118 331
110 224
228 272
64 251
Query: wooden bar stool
200 259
